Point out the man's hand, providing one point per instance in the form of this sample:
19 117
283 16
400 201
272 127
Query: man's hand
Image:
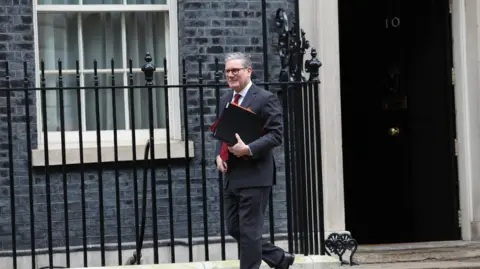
239 149
221 165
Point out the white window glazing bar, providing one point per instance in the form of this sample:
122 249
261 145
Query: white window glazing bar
171 35
79 9
103 8
125 72
82 74
99 71
37 73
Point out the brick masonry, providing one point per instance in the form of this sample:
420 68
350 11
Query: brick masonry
207 29
16 46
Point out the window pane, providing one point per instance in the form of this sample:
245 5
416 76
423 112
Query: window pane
141 106
53 103
147 2
102 39
145 33
58 2
102 2
58 39
105 103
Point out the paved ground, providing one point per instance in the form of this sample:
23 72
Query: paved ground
434 255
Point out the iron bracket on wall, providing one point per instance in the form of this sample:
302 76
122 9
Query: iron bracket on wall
338 244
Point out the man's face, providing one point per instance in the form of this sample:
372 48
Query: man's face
237 75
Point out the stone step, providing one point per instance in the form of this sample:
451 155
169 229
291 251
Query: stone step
418 252
420 265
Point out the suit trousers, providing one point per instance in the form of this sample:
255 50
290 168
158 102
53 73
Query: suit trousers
245 214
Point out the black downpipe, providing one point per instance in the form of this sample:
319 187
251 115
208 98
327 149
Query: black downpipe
132 260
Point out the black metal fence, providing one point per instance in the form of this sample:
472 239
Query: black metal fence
74 186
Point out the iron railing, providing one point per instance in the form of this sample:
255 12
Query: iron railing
51 204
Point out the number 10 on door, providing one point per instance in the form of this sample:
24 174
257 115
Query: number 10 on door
392 23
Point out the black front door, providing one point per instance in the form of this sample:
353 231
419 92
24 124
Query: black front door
398 120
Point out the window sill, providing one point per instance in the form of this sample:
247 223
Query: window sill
108 155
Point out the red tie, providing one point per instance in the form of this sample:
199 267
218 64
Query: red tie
224 150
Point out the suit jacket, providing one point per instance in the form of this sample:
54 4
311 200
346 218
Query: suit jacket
258 170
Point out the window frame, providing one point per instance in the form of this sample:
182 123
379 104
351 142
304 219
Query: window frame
124 137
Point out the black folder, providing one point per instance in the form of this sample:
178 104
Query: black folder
236 119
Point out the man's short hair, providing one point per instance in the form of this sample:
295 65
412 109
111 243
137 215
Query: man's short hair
246 59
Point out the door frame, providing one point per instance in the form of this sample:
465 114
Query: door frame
465 53
319 19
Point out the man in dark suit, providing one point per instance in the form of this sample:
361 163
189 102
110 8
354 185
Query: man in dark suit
249 169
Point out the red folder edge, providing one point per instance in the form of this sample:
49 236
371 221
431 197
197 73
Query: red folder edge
214 125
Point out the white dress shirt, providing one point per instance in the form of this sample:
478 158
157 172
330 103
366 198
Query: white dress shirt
243 93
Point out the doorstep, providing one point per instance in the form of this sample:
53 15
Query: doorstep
422 265
448 251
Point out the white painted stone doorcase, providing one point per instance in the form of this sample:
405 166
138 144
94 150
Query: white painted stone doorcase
319 19
465 22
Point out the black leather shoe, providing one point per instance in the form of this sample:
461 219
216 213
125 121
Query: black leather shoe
287 261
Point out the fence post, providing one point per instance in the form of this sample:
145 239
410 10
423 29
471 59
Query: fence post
148 69
288 49
312 66
336 243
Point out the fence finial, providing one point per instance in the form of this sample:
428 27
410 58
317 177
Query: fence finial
148 69
313 65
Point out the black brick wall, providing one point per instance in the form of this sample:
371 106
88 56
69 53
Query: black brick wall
207 29
16 46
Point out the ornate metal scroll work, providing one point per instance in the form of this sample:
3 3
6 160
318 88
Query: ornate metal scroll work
291 48
338 244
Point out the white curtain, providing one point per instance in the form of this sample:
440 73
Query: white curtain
102 34
102 40
145 33
58 40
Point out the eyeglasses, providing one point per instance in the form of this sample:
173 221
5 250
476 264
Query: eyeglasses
234 71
